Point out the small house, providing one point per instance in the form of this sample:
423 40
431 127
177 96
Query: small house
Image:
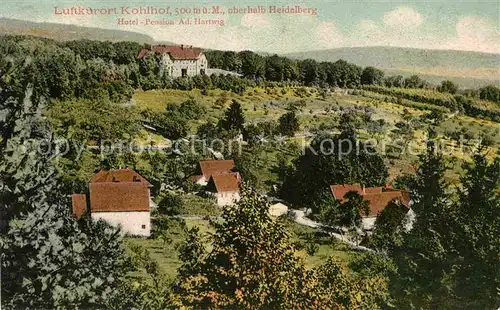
210 167
220 180
378 198
121 197
225 187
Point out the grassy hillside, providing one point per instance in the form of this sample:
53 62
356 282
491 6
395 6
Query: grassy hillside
65 32
465 78
466 68
165 250
316 113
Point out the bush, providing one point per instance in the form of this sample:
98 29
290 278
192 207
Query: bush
311 247
170 204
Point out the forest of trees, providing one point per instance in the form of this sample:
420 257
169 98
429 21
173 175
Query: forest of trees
306 181
90 69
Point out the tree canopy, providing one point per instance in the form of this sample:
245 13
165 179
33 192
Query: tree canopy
49 259
252 264
332 159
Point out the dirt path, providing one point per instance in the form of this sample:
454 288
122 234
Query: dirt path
300 218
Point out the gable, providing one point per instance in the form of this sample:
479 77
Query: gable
379 201
118 197
225 182
119 175
339 191
182 52
210 167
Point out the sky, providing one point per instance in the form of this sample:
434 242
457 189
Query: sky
430 24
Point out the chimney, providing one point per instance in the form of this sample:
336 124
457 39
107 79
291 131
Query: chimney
79 204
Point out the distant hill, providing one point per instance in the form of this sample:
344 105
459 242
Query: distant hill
466 68
64 32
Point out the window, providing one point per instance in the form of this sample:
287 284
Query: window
202 71
143 226
184 72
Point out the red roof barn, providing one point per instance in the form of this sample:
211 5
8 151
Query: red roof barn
378 198
119 190
120 197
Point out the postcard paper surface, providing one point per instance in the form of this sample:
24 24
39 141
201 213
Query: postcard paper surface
260 154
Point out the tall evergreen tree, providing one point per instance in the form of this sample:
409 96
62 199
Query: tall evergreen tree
389 227
252 265
332 159
48 259
234 119
422 259
288 124
477 279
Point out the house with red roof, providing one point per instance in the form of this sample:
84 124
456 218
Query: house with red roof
378 198
225 187
220 180
178 61
121 197
210 167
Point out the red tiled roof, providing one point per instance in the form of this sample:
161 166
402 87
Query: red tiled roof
176 52
339 191
196 178
119 175
406 198
79 203
119 190
226 182
143 52
119 196
379 201
210 167
373 190
377 198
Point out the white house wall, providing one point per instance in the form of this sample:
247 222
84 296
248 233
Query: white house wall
368 223
202 181
194 66
227 198
201 64
132 223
